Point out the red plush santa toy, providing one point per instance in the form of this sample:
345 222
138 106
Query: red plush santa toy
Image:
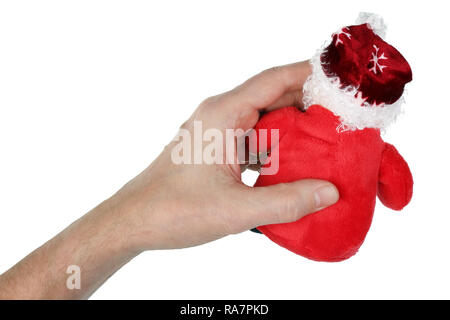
354 91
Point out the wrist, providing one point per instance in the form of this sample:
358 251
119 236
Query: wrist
112 219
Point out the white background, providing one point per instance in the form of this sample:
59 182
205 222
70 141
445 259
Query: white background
91 91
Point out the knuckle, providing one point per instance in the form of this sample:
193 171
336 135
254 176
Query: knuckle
211 104
288 209
212 100
307 203
293 208
208 101
298 205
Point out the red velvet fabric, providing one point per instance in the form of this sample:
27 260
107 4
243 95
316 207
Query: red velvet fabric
361 59
358 162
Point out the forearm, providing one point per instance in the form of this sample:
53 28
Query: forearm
95 243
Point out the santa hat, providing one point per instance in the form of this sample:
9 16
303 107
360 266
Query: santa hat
359 76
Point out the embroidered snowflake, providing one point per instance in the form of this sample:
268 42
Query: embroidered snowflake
376 60
343 128
338 36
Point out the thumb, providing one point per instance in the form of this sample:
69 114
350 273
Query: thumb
288 202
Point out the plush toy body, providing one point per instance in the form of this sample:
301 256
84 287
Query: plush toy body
358 162
353 92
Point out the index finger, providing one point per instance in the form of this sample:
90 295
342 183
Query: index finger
264 89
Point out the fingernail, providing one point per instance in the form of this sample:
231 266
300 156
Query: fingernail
326 196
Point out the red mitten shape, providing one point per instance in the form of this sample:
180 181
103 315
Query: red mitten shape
352 93
395 185
313 147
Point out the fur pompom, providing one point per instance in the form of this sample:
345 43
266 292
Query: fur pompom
375 22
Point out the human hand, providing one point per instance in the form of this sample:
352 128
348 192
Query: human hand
174 206
180 205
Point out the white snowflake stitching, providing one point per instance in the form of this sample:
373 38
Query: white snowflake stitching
375 59
338 35
343 128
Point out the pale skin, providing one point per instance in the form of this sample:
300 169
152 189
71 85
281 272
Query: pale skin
175 206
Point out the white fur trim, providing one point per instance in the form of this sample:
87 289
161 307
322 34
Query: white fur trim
375 22
346 103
